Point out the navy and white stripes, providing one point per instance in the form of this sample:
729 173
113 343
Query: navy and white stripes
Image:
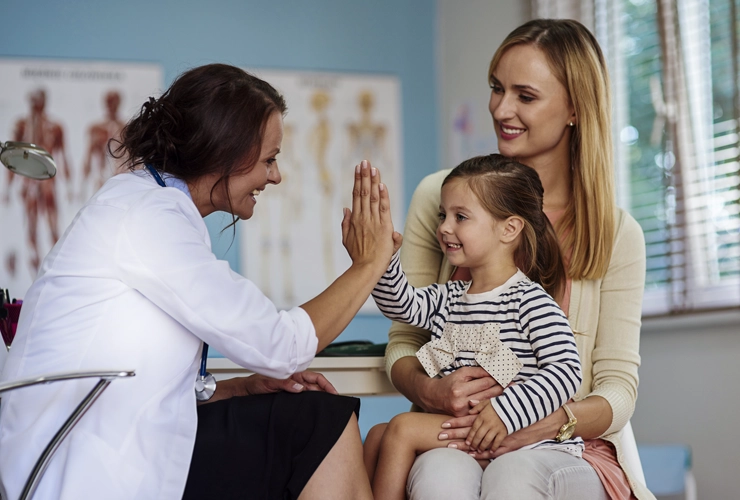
532 326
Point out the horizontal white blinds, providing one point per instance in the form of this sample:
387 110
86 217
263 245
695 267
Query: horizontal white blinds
674 68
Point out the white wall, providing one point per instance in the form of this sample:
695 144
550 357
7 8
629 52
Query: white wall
468 34
690 393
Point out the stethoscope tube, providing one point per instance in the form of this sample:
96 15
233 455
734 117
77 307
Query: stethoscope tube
205 383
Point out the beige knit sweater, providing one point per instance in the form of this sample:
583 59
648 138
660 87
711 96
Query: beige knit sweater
604 313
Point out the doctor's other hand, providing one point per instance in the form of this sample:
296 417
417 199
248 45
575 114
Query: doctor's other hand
298 382
367 229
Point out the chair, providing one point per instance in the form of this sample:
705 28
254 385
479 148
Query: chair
106 377
668 470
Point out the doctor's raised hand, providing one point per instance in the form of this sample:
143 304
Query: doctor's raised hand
368 236
366 227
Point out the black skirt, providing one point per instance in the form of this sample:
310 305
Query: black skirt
266 446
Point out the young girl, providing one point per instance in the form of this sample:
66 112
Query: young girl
490 221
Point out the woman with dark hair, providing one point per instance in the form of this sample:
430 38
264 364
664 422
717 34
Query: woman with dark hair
133 284
550 104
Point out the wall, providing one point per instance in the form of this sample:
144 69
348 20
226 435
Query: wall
688 394
469 33
387 36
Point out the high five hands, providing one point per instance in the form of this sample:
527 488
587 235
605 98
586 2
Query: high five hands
367 229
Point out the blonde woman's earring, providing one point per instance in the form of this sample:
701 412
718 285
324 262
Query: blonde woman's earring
570 124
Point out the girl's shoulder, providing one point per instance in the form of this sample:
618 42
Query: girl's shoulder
518 286
524 290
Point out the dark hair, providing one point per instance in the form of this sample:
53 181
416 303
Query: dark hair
211 120
507 188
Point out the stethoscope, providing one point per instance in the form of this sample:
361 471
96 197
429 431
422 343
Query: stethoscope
205 383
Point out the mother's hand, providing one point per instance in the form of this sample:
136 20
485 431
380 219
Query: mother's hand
456 393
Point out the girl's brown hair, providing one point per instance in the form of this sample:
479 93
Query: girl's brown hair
507 188
576 60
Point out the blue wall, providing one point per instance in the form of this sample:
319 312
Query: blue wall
388 36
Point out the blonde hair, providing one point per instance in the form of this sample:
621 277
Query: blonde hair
576 60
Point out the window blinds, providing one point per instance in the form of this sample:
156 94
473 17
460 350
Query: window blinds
674 69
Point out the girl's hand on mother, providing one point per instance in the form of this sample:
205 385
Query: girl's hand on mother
456 430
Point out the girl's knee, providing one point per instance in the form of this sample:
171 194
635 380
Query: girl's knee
376 432
401 423
375 435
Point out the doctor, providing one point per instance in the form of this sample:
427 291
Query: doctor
133 284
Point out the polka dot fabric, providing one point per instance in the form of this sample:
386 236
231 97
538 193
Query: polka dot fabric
459 343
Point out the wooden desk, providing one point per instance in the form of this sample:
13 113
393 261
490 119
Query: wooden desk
355 376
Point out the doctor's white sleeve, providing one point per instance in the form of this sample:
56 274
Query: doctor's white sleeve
163 252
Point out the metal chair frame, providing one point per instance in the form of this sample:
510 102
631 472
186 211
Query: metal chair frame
106 377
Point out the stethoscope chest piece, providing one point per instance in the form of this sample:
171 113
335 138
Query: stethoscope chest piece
205 383
205 386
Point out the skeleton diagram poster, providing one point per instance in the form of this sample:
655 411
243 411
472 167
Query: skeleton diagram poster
71 109
292 248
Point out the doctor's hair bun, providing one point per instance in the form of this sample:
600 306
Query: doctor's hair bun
210 120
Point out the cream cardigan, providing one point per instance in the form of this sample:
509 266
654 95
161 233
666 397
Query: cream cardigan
604 313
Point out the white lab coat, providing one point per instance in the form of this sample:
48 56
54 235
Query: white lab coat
132 284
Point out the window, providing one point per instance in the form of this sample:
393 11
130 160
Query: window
674 70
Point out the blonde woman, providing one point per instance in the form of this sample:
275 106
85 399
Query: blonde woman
550 105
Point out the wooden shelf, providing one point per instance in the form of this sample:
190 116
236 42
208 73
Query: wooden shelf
356 376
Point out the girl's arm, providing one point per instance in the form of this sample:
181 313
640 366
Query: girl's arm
616 354
558 374
420 307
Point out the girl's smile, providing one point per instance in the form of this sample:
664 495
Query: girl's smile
466 229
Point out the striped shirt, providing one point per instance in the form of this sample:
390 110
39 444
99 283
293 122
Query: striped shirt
531 325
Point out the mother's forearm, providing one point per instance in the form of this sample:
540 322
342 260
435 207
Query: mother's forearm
410 379
594 415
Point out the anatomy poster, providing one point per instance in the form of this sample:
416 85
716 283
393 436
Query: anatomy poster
292 247
71 109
